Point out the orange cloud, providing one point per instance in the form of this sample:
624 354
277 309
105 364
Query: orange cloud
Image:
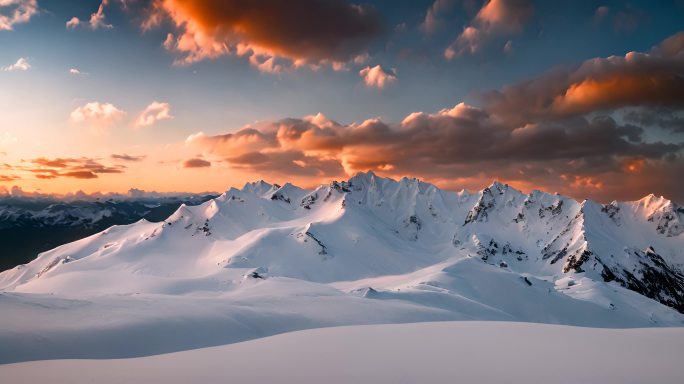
306 32
14 12
80 168
652 79
377 76
634 165
506 15
196 163
496 18
7 178
463 142
620 90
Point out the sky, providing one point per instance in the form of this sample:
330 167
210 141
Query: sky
580 98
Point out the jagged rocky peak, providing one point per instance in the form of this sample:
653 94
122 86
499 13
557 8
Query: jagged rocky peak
668 217
341 186
489 198
287 193
363 178
654 277
409 182
652 202
498 187
258 187
552 210
370 180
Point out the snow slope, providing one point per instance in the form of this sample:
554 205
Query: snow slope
448 352
268 259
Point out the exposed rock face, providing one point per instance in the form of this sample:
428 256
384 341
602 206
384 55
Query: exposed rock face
669 220
607 242
480 211
309 200
281 197
652 278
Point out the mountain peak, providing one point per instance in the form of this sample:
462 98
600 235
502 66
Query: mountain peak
367 176
257 187
651 200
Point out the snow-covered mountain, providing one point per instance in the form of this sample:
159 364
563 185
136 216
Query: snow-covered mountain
267 259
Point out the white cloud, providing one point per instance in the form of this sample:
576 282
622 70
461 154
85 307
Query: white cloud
76 72
21 65
377 76
154 112
99 116
15 12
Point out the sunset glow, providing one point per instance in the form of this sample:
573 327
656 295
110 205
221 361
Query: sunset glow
194 96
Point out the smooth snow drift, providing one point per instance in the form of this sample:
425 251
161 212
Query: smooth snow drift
269 259
464 352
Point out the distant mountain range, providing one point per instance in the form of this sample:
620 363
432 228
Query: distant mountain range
30 225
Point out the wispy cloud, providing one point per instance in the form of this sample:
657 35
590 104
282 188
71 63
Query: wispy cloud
156 111
126 157
8 178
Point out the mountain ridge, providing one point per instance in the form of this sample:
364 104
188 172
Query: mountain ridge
267 259
581 238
